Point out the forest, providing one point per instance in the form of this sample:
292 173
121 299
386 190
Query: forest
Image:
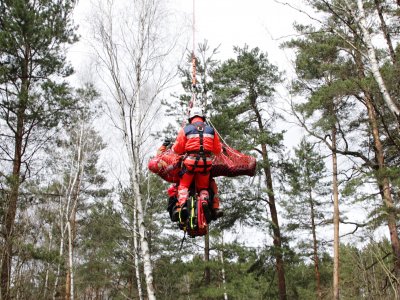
81 215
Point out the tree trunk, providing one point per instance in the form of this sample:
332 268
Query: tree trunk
336 291
69 282
315 248
207 271
46 280
68 285
277 239
144 244
383 182
275 228
381 177
385 31
8 242
14 194
148 269
136 256
73 192
144 58
223 267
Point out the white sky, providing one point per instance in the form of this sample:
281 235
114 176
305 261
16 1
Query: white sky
258 23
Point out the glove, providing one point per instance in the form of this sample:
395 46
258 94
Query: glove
167 142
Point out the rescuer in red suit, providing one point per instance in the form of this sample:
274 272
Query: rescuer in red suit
198 142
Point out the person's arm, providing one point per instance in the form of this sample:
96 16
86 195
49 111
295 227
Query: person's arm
217 145
179 145
166 144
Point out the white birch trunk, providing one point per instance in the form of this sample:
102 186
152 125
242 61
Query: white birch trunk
73 195
46 281
70 261
142 40
374 63
61 251
136 255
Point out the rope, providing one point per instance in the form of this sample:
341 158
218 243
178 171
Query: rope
193 48
193 99
223 141
183 239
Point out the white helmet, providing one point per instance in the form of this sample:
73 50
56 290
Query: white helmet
196 111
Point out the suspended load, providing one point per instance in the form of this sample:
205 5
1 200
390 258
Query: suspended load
232 163
229 163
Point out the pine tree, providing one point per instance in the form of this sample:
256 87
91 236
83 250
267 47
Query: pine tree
243 90
33 98
306 205
332 67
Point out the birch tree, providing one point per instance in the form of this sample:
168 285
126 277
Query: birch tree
132 51
360 17
76 162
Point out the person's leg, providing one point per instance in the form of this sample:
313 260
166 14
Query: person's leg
216 211
214 189
180 211
172 199
202 181
183 189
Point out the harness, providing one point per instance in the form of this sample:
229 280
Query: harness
201 154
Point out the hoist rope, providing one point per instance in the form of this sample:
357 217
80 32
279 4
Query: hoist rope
193 48
220 137
193 87
183 239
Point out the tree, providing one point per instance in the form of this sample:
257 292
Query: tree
360 17
332 67
306 191
133 64
81 147
103 239
243 90
33 98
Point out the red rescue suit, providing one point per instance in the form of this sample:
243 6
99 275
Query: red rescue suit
198 141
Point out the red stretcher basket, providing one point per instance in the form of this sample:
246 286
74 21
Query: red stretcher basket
232 163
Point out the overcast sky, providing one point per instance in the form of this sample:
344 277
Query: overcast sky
262 23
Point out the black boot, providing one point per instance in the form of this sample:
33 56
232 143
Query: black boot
207 212
180 214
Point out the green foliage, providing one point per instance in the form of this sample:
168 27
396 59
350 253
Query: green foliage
365 273
242 88
306 206
31 39
102 259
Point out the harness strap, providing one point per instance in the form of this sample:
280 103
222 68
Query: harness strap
200 129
